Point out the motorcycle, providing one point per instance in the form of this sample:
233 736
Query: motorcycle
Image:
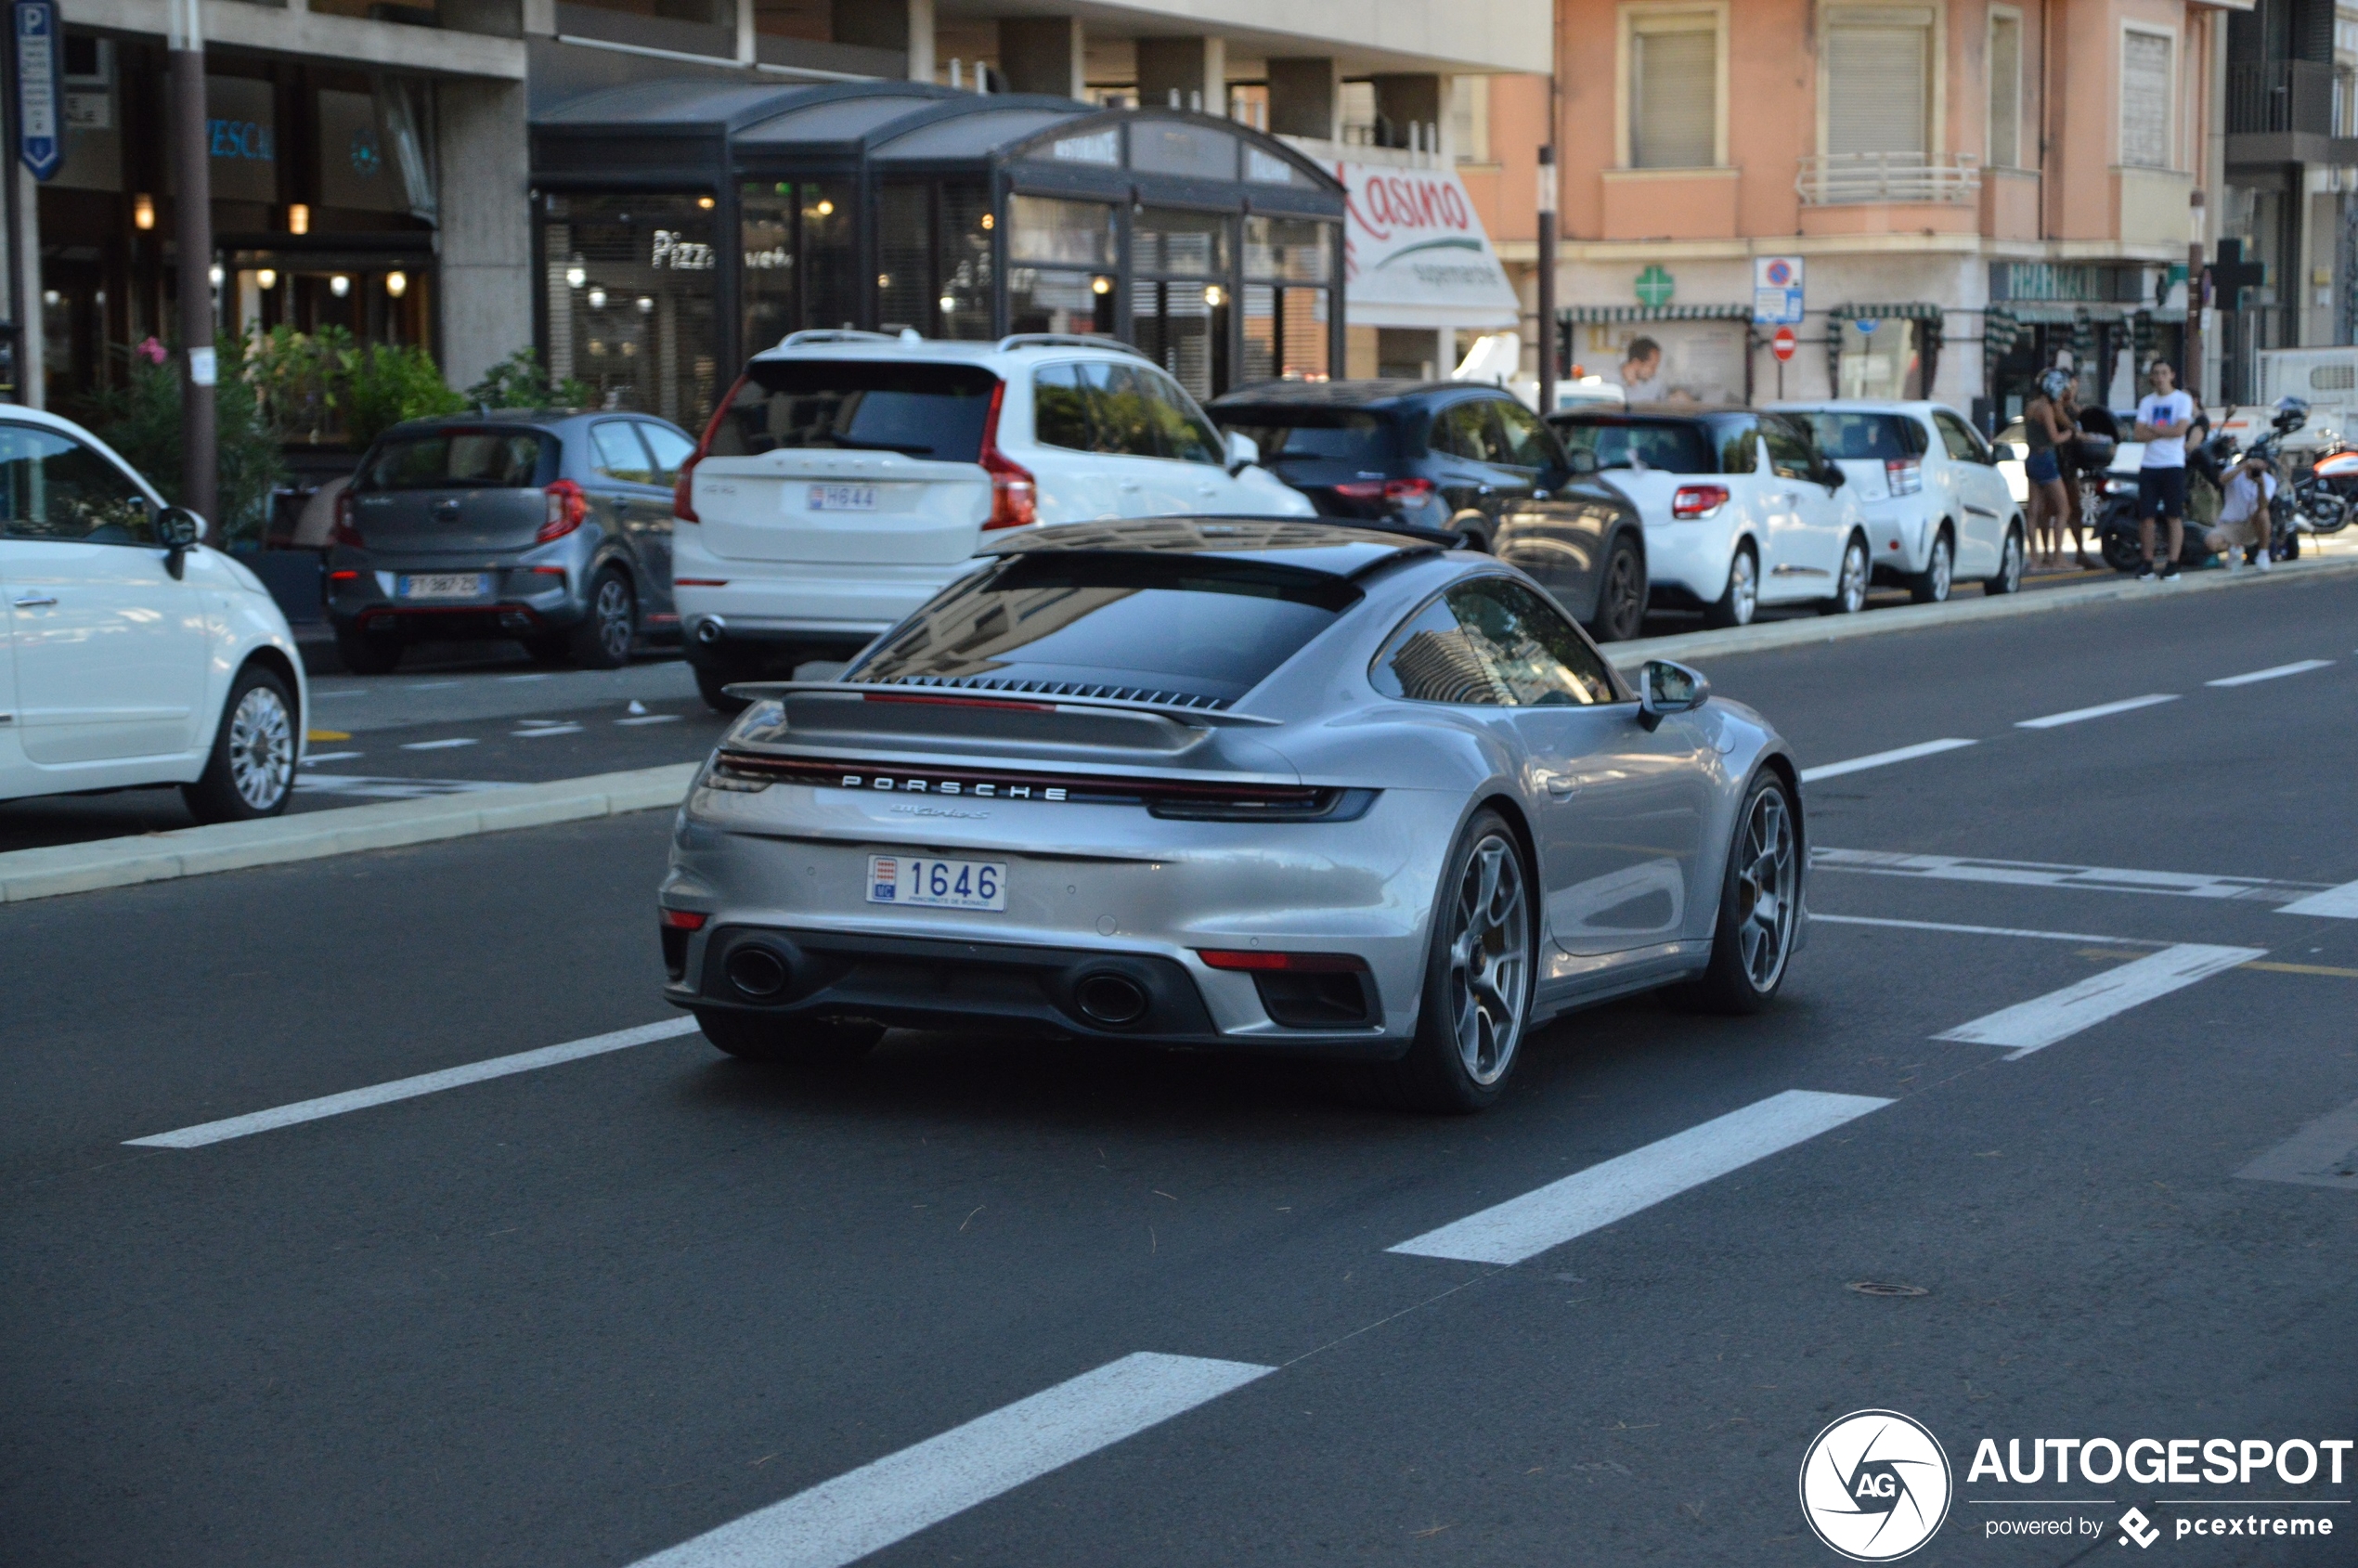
2309 504
2121 541
2334 478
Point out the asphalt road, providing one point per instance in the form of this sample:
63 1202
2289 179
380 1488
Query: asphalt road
584 1314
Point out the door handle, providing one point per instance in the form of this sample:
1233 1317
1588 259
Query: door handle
34 601
1563 785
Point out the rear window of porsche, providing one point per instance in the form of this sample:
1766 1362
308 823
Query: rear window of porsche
1193 630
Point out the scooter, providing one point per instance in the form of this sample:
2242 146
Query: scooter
2333 480
2119 540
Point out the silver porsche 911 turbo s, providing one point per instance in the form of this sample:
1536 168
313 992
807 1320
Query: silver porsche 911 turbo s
1285 785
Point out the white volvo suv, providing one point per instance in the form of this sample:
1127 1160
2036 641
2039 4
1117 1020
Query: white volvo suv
848 476
129 653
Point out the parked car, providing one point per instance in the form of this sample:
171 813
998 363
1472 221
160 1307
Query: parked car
1937 506
130 653
1740 508
847 475
550 528
1469 460
1291 786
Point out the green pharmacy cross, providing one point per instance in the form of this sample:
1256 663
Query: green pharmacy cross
1655 287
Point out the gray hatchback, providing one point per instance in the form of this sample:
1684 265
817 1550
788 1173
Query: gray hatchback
552 528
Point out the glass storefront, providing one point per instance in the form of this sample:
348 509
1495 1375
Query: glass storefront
1288 265
631 300
1179 305
1063 258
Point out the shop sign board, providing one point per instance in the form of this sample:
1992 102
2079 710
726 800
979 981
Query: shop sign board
1415 253
40 139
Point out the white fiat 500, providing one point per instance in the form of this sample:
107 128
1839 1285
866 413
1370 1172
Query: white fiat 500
130 653
848 476
1937 504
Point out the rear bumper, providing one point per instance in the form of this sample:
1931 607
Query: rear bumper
788 600
544 591
1687 562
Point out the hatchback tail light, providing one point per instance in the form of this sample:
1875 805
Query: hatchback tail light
1905 476
567 507
1696 501
1408 490
346 531
1015 495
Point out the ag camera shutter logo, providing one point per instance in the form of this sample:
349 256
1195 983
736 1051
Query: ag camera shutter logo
1876 1486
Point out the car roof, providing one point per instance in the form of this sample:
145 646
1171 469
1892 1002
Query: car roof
1340 550
1920 405
1370 394
1648 413
849 344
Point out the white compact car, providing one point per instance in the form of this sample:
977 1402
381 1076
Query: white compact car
1740 508
1937 502
129 653
848 476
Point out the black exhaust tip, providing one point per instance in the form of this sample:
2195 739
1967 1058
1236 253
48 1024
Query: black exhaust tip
756 971
1112 1000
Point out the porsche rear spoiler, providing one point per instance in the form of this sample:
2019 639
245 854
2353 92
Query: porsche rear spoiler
816 708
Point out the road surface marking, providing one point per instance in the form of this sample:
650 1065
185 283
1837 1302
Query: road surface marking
547 730
2325 1153
651 718
2274 672
410 1088
2334 903
438 746
1879 760
2102 710
869 1509
540 675
312 759
2039 873
2039 1022
1975 931
388 788
1525 1227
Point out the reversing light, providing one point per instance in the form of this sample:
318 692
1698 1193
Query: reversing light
567 507
1695 502
1905 476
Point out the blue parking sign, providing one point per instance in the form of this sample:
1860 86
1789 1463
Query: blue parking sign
40 91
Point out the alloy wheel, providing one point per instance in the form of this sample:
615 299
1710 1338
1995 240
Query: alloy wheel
1743 588
2010 567
1625 600
1489 959
1766 877
613 612
261 748
1942 570
1852 594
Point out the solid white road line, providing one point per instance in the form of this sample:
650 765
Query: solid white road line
1879 760
2273 672
1523 1227
312 759
1816 918
410 1088
2039 873
2325 1153
2334 903
651 718
436 745
2102 710
844 1520
2039 1022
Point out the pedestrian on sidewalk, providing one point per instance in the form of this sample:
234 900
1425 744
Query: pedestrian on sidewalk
2246 520
2068 459
1642 371
2047 427
2164 416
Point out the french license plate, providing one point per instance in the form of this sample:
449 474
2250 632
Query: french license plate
443 584
841 498
906 879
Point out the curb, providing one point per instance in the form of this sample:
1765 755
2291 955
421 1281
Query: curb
47 873
1917 617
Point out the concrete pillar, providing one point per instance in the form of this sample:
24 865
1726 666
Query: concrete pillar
1041 55
486 295
1305 98
1403 101
24 294
749 46
1197 69
920 40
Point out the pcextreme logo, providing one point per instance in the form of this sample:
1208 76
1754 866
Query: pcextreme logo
1876 1486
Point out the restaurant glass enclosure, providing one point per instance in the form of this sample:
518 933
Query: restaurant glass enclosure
684 225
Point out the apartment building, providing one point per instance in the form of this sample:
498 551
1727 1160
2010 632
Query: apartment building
1964 189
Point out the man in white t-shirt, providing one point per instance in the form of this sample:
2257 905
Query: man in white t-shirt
2243 517
2163 418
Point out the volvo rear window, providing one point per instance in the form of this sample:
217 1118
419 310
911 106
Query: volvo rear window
1885 436
922 409
1192 629
459 460
1339 435
1674 445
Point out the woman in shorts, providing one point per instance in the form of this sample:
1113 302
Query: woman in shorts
2047 425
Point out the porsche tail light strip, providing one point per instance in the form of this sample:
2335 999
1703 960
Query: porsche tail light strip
1164 796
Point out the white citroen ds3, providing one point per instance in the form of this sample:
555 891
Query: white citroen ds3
848 476
131 654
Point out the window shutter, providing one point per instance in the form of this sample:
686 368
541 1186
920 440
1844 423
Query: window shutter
1876 88
2144 100
2006 92
1674 86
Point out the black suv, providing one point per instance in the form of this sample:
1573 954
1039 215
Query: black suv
1470 461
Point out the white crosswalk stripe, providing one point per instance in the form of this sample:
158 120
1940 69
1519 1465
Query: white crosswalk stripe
2041 1021
2334 903
2041 874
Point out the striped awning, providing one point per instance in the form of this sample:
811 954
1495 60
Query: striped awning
1601 314
1916 310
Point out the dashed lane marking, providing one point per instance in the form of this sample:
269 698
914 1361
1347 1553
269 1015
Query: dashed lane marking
2102 710
2273 672
651 718
869 1509
2041 874
312 759
450 744
1525 1227
1881 759
2041 1021
410 1088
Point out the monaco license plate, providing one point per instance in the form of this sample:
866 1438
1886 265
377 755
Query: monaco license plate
443 584
909 879
841 498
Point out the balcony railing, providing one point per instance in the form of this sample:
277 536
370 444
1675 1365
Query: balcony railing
2275 97
1834 179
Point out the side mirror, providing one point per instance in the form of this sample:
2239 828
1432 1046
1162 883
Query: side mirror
1243 452
1833 478
1583 461
1665 688
178 530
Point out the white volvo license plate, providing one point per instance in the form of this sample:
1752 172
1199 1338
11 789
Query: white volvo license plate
841 498
909 879
443 584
